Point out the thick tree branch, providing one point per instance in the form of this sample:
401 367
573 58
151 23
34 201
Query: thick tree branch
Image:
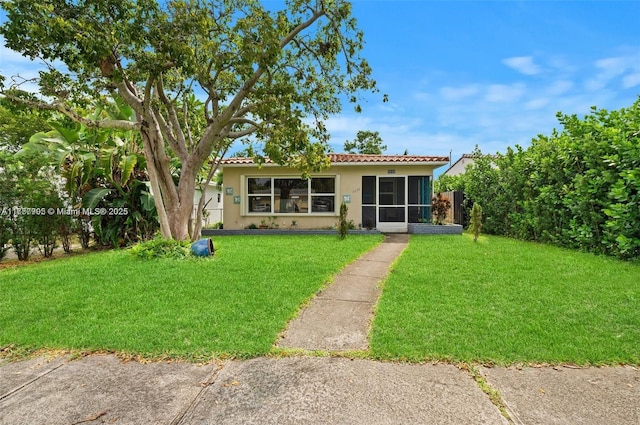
240 120
102 123
172 130
297 30
125 88
242 133
221 152
246 109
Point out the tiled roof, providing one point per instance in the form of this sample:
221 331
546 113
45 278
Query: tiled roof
347 158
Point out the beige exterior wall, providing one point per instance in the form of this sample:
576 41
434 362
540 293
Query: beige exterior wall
459 167
348 182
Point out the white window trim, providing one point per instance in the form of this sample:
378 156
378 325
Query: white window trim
244 187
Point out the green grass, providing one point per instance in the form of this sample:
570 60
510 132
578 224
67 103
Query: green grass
235 304
506 301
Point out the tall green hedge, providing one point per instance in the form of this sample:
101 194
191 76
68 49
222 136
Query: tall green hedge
578 187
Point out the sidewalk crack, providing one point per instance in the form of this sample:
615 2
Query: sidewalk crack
494 395
15 390
179 418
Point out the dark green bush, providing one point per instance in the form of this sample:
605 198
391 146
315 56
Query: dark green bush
343 223
159 247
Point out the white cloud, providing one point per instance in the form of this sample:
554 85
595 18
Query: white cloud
538 103
347 124
631 80
391 107
504 93
458 93
561 65
612 66
422 96
559 87
609 68
522 64
625 66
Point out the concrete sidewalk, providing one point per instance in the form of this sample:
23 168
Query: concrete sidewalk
101 389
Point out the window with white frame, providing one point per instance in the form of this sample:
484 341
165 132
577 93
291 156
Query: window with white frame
289 195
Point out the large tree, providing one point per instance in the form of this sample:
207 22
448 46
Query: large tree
273 76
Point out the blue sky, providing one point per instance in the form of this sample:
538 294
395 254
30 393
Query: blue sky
491 73
486 73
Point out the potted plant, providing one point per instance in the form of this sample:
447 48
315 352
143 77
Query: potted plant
272 223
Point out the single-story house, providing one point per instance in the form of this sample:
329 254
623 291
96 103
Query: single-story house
385 192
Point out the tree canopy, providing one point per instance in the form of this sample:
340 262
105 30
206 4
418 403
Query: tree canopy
272 75
366 142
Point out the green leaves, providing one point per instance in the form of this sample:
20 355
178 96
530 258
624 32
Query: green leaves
272 76
366 142
578 188
94 196
127 164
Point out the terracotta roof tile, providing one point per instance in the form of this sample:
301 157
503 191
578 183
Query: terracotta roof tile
346 158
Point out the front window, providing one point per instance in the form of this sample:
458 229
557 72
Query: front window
285 195
323 191
259 195
291 196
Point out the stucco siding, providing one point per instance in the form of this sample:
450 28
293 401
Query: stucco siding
348 182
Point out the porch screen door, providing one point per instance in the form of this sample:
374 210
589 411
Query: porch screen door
391 200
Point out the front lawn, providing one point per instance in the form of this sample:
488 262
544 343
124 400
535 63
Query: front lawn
506 301
235 304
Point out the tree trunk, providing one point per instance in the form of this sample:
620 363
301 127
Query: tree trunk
180 214
174 204
163 219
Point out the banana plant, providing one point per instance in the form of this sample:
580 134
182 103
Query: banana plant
101 167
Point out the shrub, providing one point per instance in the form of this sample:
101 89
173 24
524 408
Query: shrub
439 207
343 223
476 221
159 247
27 192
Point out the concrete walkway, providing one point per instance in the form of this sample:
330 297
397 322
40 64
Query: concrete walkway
339 317
101 389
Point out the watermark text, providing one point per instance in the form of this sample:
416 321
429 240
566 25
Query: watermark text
74 212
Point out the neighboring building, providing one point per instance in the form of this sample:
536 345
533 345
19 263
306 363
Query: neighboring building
213 204
381 191
460 165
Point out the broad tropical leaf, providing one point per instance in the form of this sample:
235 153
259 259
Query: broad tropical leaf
127 164
71 135
94 196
